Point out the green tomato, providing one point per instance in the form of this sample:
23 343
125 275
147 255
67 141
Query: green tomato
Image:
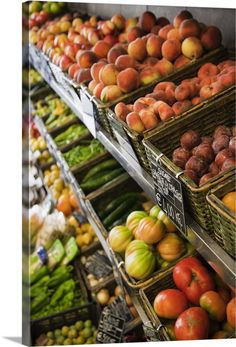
54 8
35 6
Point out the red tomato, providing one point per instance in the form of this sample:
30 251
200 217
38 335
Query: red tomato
225 294
213 303
169 303
230 312
192 324
192 278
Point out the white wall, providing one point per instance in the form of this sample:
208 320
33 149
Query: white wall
223 18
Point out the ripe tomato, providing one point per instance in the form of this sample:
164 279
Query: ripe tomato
225 294
213 303
230 312
192 324
192 278
169 303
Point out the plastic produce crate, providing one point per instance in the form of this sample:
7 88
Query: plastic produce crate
224 220
165 140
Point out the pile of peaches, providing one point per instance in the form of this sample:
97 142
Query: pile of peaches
119 55
169 100
203 158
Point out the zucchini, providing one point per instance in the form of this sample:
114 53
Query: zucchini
116 202
93 184
122 219
119 211
108 164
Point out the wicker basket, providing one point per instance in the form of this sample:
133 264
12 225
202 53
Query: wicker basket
165 140
224 220
187 72
65 318
153 277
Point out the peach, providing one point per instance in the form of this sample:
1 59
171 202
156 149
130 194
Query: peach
114 53
207 139
108 27
228 79
153 46
119 21
110 93
130 23
196 100
70 50
165 112
81 40
93 37
208 69
162 21
56 58
140 104
174 34
181 61
124 61
163 86
134 122
182 92
156 106
192 86
83 75
91 86
164 67
155 29
163 32
180 107
110 39
159 95
171 49
148 75
190 139
86 59
121 111
232 144
98 90
205 178
170 95
73 69
95 69
101 48
197 164
180 157
147 21
226 63
206 81
150 61
192 48
208 91
108 74
77 22
148 118
189 27
137 49
122 37
128 80
228 164
222 130
180 17
134 33
211 38
65 63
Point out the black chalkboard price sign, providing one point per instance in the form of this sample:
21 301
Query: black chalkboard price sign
169 195
110 328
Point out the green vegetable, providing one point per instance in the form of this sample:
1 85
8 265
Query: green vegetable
119 211
83 152
116 202
39 274
41 283
107 164
93 184
60 120
63 289
38 302
70 134
61 274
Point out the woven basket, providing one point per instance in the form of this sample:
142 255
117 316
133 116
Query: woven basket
224 220
186 72
165 140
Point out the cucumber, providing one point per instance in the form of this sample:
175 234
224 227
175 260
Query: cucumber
119 211
93 184
122 219
108 164
116 202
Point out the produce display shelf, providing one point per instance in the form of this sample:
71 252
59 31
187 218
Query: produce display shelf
222 263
